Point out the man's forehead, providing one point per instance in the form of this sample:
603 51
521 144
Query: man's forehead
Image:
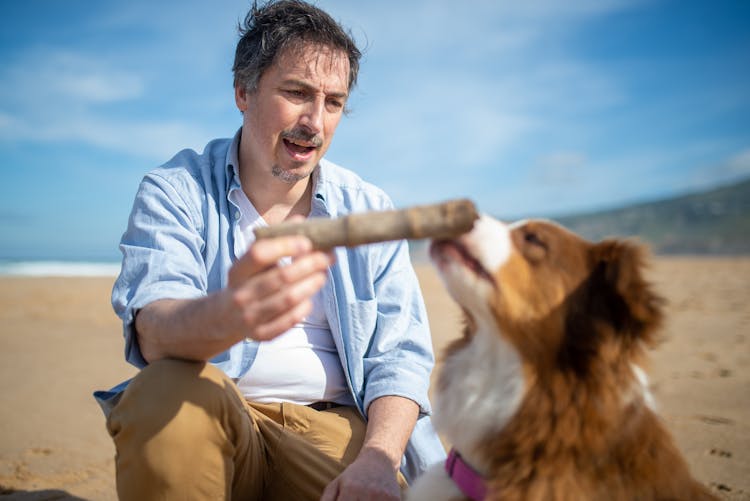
314 60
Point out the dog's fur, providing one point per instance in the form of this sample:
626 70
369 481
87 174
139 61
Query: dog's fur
544 394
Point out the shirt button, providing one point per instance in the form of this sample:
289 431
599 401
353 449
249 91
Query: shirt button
237 215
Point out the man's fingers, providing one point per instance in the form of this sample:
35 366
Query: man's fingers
269 282
282 323
266 316
267 298
265 253
261 309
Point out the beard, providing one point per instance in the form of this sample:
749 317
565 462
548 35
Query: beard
298 134
287 176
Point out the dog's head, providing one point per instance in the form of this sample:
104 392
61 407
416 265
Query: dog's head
558 299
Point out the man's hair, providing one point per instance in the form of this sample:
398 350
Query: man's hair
277 25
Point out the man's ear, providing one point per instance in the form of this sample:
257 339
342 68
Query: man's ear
240 98
635 309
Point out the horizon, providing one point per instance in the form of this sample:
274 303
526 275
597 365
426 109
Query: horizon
97 265
545 108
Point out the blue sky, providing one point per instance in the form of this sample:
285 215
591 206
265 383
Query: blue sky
534 108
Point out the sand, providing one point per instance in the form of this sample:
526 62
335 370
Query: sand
59 341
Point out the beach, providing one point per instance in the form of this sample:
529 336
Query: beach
60 341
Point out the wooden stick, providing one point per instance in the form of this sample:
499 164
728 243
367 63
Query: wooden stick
445 220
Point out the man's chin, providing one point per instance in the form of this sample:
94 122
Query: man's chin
292 176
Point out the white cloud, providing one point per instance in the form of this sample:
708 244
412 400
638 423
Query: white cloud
469 120
99 88
467 90
739 164
156 140
473 28
734 165
58 96
6 121
446 113
42 75
560 168
554 9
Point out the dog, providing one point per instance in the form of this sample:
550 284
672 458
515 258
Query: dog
544 398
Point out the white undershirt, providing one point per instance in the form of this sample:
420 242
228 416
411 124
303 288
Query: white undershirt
302 365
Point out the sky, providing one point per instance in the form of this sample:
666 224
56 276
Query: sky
536 108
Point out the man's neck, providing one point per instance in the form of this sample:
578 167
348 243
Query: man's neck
276 200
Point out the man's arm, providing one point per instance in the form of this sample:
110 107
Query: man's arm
372 475
262 300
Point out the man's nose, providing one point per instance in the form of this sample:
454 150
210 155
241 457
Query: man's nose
313 116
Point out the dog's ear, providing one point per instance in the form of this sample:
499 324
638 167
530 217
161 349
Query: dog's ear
627 298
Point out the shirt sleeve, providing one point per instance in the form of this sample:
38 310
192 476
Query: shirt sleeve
162 256
400 357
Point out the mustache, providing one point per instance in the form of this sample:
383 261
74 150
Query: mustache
300 134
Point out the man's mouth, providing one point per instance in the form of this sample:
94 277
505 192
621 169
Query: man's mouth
297 149
300 145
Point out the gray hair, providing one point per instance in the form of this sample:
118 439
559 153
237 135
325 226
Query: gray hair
269 29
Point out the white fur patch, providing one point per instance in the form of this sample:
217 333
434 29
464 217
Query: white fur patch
483 388
489 242
643 390
434 485
482 384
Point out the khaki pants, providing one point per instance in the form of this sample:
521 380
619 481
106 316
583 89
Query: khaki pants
182 430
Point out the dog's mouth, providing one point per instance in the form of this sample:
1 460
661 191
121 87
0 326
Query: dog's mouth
443 251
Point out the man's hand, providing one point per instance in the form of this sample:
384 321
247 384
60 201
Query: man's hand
267 299
262 300
370 477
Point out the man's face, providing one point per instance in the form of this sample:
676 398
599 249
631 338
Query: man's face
289 120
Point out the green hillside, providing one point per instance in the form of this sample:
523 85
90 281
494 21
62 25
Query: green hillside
710 222
714 222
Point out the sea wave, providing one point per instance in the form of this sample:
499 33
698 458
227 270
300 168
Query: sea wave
59 269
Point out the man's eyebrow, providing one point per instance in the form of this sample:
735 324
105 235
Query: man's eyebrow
308 87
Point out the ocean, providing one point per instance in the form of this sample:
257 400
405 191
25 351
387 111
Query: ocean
59 268
101 268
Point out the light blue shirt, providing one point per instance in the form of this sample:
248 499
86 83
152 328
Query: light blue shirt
182 238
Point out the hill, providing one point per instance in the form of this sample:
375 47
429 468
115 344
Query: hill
716 221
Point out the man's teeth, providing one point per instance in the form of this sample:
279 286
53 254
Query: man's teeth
301 145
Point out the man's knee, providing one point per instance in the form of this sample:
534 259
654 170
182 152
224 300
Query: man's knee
170 380
175 393
175 429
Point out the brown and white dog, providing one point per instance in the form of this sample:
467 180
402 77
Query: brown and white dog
543 397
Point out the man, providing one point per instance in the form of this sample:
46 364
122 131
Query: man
320 362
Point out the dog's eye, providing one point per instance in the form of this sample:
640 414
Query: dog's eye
533 239
534 248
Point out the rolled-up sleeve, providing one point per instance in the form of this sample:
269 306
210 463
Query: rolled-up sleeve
161 255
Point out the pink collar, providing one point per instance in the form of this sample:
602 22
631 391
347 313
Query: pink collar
465 477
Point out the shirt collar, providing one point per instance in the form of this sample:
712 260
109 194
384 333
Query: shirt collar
319 206
232 162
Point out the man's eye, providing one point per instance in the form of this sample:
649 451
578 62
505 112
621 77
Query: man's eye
294 93
335 104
